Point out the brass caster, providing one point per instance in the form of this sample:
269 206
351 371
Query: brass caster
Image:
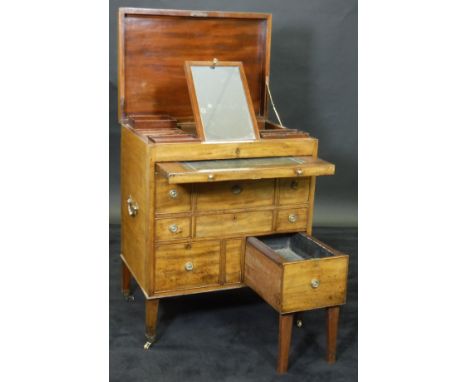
128 296
299 323
147 345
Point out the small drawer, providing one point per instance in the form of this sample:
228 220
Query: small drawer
217 225
172 228
295 272
186 265
294 219
294 191
237 194
171 198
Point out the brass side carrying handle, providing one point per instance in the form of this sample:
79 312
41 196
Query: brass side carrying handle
314 283
132 206
236 189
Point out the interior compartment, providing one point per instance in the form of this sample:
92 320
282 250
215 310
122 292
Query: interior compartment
296 247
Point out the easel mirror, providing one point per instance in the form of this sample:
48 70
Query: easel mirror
221 101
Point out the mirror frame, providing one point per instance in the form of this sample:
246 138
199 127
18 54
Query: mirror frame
193 97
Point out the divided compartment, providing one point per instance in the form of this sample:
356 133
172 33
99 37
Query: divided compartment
295 272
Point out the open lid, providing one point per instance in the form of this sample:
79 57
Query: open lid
154 45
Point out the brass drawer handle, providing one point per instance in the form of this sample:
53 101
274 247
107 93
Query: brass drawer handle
132 206
173 194
292 218
236 189
299 171
174 228
188 266
314 283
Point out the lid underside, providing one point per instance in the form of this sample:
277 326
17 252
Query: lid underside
155 44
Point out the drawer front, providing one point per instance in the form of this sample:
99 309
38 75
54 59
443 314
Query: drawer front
294 190
233 260
311 284
294 219
183 265
233 224
297 275
237 194
171 198
172 228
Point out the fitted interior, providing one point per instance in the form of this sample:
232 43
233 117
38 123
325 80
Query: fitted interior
295 247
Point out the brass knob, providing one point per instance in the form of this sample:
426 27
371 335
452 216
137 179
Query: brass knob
173 194
132 206
292 218
188 266
299 172
314 283
174 228
236 189
211 176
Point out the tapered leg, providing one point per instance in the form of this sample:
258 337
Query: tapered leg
284 341
333 315
151 321
126 278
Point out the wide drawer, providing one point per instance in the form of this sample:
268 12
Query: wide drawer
295 272
232 224
238 169
187 265
235 194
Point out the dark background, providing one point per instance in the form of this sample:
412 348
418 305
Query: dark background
313 80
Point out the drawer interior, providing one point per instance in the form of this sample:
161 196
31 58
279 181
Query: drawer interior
296 247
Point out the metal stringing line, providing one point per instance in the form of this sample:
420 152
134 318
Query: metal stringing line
273 104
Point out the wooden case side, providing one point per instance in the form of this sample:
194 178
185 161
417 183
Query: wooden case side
135 183
313 180
263 275
332 272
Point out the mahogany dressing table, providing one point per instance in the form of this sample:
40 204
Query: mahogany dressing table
201 213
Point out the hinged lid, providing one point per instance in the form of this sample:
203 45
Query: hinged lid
154 45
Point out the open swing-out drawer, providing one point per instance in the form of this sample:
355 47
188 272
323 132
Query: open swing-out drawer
295 272
238 169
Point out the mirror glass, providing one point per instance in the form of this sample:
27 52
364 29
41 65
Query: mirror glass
222 103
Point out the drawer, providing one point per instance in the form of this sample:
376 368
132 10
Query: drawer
185 265
295 272
294 219
294 190
171 198
236 194
233 224
172 228
233 252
